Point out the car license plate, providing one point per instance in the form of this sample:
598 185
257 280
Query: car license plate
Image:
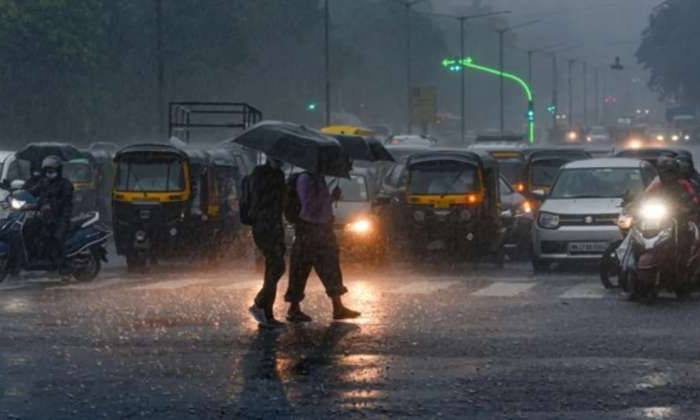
587 247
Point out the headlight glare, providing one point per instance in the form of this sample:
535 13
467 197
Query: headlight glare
17 204
361 226
653 211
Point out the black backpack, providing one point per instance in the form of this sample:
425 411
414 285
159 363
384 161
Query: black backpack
245 201
292 208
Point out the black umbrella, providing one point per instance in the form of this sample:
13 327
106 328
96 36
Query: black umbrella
298 145
36 152
365 148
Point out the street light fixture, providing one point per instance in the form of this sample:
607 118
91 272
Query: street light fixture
501 34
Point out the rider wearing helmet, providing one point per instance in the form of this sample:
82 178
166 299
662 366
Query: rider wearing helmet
55 195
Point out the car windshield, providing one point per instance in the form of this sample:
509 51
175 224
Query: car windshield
153 176
442 178
543 172
354 189
77 171
598 183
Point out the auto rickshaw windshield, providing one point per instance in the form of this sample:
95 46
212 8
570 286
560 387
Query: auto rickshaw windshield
155 175
544 171
443 178
77 171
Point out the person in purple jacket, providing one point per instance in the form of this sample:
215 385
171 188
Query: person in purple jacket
315 246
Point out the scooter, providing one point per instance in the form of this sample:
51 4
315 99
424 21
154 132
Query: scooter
655 262
85 246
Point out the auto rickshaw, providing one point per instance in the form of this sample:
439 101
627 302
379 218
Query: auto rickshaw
453 203
84 176
541 168
173 202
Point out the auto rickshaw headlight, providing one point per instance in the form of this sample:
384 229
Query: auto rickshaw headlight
140 235
172 231
465 215
361 226
419 216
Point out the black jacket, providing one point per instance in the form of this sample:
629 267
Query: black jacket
58 195
269 191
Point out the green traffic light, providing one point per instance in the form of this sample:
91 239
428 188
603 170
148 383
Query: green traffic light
312 106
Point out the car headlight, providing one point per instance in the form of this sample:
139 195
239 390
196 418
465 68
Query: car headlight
675 137
653 211
660 138
548 220
686 137
361 227
573 136
589 139
17 204
624 221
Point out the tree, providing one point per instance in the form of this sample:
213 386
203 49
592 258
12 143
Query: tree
669 50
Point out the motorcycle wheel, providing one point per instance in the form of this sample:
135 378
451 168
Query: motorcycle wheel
90 270
610 267
4 268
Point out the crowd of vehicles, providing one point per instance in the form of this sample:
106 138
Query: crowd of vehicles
499 199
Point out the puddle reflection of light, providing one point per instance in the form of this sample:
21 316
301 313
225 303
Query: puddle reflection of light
16 391
362 374
658 412
363 296
15 359
15 305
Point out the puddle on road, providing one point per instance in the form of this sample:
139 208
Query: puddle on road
15 305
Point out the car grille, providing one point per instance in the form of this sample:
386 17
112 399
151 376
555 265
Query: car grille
583 220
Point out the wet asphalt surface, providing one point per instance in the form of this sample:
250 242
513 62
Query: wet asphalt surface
460 342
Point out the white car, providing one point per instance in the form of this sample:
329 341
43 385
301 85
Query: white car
578 219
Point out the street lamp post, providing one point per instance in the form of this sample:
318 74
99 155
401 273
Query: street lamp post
501 59
327 59
585 94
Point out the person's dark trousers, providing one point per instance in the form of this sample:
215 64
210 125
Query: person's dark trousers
315 247
60 236
269 238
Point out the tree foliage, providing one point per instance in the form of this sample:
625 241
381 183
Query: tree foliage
669 50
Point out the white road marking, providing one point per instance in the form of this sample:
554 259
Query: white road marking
503 289
425 287
172 284
586 291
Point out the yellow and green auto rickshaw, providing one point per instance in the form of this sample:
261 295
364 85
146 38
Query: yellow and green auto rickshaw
84 176
453 203
173 202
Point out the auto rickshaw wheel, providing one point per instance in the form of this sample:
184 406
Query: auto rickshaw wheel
135 262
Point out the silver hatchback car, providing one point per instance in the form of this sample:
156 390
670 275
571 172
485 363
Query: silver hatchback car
578 219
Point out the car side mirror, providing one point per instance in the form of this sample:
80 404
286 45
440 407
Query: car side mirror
16 185
539 194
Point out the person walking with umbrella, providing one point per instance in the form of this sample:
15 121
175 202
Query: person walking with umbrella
268 194
315 246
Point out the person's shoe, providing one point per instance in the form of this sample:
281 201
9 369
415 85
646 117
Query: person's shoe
345 313
298 316
259 314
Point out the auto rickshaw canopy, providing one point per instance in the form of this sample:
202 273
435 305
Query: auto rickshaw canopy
348 130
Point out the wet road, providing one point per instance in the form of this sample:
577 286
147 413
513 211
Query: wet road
469 342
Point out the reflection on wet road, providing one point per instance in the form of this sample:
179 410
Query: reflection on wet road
465 342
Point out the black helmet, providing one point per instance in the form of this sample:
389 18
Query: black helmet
51 162
668 167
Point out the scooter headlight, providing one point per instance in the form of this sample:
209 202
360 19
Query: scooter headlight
17 204
653 211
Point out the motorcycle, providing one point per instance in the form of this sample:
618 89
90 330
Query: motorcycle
85 246
655 259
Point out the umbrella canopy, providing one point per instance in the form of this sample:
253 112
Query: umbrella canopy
298 145
36 152
365 148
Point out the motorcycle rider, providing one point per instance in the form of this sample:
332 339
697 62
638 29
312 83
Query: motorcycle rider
55 195
688 172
